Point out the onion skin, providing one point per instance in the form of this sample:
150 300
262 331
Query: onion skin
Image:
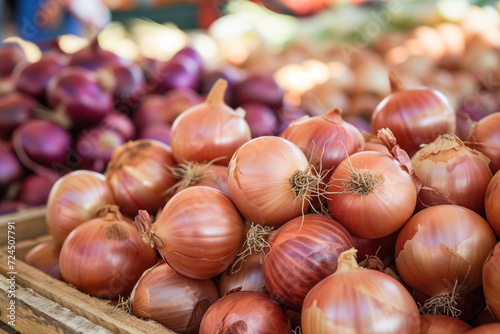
459 175
15 109
491 277
35 189
120 123
492 203
442 324
303 252
383 247
245 312
138 175
261 119
208 175
104 256
259 180
261 88
415 115
358 300
175 301
74 199
485 329
442 246
485 137
247 278
45 257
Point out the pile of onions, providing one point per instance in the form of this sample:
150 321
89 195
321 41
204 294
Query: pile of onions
175 301
451 173
198 233
138 174
302 252
358 300
415 115
248 277
74 199
492 203
104 256
45 257
245 312
15 109
485 137
440 252
326 140
491 277
210 130
270 181
371 193
442 324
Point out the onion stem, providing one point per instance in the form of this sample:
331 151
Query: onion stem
256 242
396 84
347 261
216 94
142 223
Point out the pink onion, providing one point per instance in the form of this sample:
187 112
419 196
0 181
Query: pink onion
179 72
15 109
120 123
259 87
261 119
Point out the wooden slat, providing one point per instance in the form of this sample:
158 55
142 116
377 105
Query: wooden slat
93 309
29 224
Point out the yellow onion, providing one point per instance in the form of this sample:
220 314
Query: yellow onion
451 173
358 300
491 279
442 324
492 203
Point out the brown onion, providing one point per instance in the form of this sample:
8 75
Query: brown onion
492 203
485 137
175 301
245 312
139 175
74 199
491 279
442 324
105 256
45 257
248 277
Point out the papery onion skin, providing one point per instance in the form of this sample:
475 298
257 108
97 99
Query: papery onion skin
491 279
138 175
443 246
492 203
485 329
378 212
359 301
248 277
460 175
259 180
105 256
442 324
45 257
175 301
198 233
245 312
74 199
303 251
485 137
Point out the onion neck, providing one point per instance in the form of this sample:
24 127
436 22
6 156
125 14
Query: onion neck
216 94
396 84
347 261
110 212
334 116
442 143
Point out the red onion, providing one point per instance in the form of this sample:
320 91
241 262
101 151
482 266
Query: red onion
79 92
93 57
470 112
289 114
192 53
11 168
35 189
261 119
178 72
15 109
10 207
231 74
359 122
10 55
120 123
158 131
45 257
95 145
259 87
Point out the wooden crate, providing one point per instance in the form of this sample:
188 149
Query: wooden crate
46 305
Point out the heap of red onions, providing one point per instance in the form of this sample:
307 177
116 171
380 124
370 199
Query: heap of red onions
491 277
15 110
74 199
104 256
455 174
245 312
45 257
440 252
492 203
358 300
302 252
175 301
139 176
415 115
198 233
210 130
485 137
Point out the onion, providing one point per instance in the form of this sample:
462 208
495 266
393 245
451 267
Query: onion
35 189
104 256
45 257
11 207
358 122
95 145
231 74
382 248
259 88
157 131
372 194
245 312
32 78
415 115
492 203
78 92
455 173
289 114
374 143
93 57
302 252
10 55
358 300
248 277
209 130
485 329
139 175
261 119
15 109
440 252
175 301
74 199
120 123
472 110
485 138
270 181
442 324
491 277
199 232
12 170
